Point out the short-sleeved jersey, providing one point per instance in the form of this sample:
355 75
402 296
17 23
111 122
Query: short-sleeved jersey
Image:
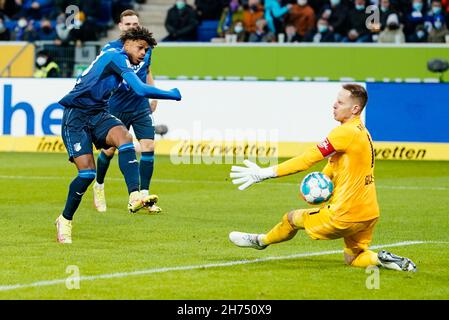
351 167
95 86
125 99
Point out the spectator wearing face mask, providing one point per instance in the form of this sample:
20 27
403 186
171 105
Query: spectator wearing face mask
231 14
181 22
385 10
19 30
302 16
438 32
320 33
46 31
336 14
239 30
25 31
419 36
436 12
251 13
415 17
357 17
393 31
5 35
45 66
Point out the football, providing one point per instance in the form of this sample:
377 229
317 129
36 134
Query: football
316 188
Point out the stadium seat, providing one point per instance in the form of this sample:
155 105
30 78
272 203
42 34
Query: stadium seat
207 30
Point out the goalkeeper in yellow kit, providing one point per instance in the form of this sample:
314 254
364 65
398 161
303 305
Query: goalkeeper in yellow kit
352 211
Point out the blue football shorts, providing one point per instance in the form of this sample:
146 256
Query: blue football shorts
81 129
141 121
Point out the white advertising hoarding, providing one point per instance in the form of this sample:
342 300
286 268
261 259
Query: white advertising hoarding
209 110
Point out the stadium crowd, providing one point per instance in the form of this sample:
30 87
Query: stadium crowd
312 20
56 20
236 20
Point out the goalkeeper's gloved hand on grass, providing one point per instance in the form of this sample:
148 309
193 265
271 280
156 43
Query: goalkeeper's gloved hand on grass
252 173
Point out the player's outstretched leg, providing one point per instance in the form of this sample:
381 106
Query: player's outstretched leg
129 167
246 240
283 231
389 260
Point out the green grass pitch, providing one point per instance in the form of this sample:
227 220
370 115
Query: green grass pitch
184 253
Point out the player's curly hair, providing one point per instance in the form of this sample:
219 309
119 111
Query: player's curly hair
139 33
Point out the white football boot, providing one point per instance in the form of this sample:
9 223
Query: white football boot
151 205
63 230
389 260
138 201
246 240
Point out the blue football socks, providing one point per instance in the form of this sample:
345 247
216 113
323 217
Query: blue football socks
129 166
146 169
77 188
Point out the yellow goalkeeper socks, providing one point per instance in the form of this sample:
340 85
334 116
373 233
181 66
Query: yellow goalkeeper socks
283 231
365 259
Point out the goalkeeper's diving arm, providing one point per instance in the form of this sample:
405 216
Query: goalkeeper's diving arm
252 173
299 163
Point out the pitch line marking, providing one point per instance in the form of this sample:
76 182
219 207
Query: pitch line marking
194 267
214 182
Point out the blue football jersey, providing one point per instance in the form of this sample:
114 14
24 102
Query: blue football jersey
125 99
96 84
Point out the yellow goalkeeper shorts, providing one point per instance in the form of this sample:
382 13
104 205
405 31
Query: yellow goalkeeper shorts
320 225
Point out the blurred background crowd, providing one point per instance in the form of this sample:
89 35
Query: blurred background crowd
387 21
57 20
69 33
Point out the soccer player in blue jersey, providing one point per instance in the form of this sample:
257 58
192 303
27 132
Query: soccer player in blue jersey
86 121
133 110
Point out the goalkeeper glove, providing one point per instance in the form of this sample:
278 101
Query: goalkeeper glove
252 173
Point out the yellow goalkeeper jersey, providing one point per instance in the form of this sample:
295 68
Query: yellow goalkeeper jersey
351 168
